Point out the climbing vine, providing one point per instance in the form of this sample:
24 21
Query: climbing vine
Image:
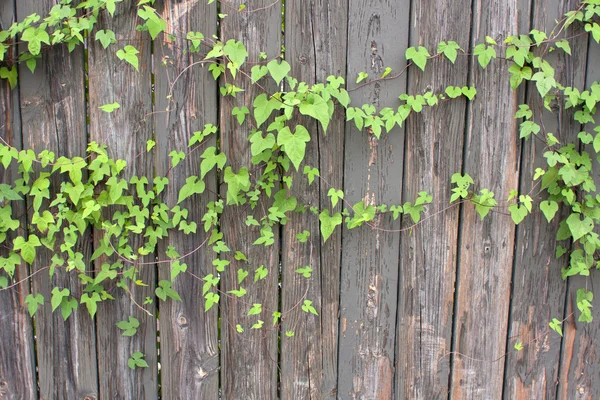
93 192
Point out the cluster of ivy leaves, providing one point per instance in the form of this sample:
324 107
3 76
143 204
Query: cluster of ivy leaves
93 191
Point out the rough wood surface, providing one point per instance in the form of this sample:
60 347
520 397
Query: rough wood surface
189 354
248 360
538 290
434 145
486 248
580 361
53 115
377 38
125 131
315 35
17 357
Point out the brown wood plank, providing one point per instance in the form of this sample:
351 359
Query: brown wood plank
538 290
17 357
315 38
434 143
248 360
189 354
377 38
53 114
125 131
580 361
486 248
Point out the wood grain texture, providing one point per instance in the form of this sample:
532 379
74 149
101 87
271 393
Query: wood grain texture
315 36
486 249
580 361
125 131
248 360
377 38
189 351
434 145
538 290
53 115
17 357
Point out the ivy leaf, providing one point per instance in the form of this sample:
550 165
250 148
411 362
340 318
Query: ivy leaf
303 236
564 44
316 107
91 302
10 75
386 72
154 23
57 297
108 108
518 212
449 49
192 186
328 223
176 157
257 72
241 275
33 302
210 158
27 248
256 309
240 113
129 326
236 183
361 77
278 71
453 92
106 37
294 145
129 54
304 271
258 324
312 172
578 226
308 308
556 326
260 273
335 195
34 38
469 92
177 268
263 107
418 56
549 208
484 54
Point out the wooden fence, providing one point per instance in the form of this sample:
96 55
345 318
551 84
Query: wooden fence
428 314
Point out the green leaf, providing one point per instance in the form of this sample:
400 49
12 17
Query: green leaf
110 107
177 268
277 70
210 159
129 54
27 248
308 308
176 157
33 302
579 227
556 326
418 56
241 275
258 324
240 113
57 297
236 183
129 326
469 92
260 273
256 309
10 75
263 107
549 208
154 23
518 346
303 236
328 223
304 271
34 38
316 107
106 37
257 72
294 145
361 77
449 49
484 54
335 195
192 186
386 72
91 302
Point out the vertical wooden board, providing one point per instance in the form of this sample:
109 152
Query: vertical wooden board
315 35
486 248
248 360
434 145
580 361
53 115
538 290
125 132
189 354
377 38
17 357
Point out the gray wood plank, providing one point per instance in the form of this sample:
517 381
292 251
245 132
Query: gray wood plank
315 38
377 38
53 116
125 132
248 360
434 145
18 379
580 361
486 249
538 290
189 354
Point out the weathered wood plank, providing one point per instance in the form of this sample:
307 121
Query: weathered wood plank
125 131
315 38
248 360
486 248
377 38
53 117
538 290
17 357
189 351
434 145
580 361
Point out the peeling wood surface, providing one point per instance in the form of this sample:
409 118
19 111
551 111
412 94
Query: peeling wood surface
53 115
125 131
538 293
17 357
377 37
314 40
486 249
428 258
189 353
248 360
